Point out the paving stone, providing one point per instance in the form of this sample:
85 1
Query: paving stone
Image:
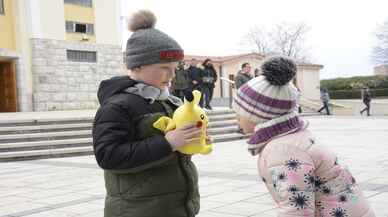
229 182
242 208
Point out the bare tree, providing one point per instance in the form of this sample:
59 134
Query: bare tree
288 39
380 52
260 39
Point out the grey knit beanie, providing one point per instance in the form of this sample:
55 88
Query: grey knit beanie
148 45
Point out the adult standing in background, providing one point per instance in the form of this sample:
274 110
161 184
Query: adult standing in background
366 99
209 77
181 80
195 77
243 76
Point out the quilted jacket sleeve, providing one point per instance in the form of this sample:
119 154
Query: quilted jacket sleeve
115 147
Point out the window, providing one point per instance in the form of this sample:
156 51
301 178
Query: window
1 6
85 3
74 27
81 56
80 28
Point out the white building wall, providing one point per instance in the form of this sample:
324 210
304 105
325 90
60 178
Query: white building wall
107 22
309 83
47 19
22 30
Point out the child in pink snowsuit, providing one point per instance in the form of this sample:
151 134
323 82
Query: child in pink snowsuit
303 177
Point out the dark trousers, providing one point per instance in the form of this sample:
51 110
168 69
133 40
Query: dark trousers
211 93
326 107
300 110
206 95
367 108
179 93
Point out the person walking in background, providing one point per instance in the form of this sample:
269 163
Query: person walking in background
181 81
209 77
325 98
300 110
243 76
303 177
366 99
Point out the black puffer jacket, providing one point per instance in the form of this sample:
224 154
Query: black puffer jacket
143 176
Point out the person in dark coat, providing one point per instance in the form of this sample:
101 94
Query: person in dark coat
325 98
243 76
209 78
144 174
366 99
181 82
195 77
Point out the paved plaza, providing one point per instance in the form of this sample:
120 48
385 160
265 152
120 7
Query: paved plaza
229 183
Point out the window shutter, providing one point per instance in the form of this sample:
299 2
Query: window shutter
69 26
1 7
90 29
84 3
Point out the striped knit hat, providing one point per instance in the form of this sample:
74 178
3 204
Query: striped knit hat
270 101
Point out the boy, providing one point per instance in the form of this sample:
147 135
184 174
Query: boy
144 176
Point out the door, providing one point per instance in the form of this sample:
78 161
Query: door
8 95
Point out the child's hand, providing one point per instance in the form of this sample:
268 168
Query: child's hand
182 136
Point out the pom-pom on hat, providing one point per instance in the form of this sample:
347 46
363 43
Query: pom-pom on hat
148 45
271 95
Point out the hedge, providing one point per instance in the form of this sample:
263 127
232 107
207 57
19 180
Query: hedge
356 83
356 94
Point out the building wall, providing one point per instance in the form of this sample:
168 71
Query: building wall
107 22
309 82
7 39
23 63
80 14
46 18
307 77
64 85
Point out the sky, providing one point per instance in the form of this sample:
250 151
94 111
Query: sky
341 34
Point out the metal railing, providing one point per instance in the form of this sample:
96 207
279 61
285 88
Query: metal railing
230 82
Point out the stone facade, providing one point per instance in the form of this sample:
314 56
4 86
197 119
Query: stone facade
60 84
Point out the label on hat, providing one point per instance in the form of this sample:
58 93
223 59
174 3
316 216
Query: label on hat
171 55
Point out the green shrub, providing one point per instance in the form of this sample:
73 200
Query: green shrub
356 94
345 94
355 83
